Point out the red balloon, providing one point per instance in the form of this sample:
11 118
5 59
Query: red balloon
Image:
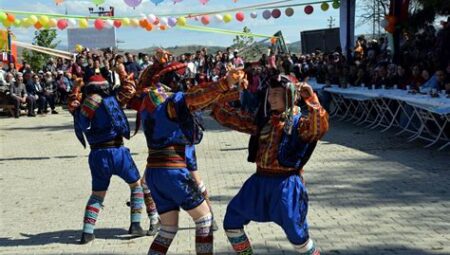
62 24
98 24
276 13
240 16
156 21
205 20
117 23
309 9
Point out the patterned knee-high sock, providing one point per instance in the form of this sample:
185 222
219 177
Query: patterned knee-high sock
136 204
308 248
150 205
162 241
93 207
204 191
239 241
204 235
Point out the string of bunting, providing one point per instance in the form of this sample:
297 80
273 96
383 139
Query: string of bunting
161 21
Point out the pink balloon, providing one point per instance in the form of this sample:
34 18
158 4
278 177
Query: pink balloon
62 24
98 24
276 13
204 2
205 20
240 16
176 1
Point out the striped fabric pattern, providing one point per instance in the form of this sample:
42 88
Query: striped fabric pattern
162 241
200 97
234 119
204 235
315 125
136 203
239 241
150 205
155 97
169 157
90 104
93 207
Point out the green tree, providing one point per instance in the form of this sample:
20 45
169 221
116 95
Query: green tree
242 41
44 38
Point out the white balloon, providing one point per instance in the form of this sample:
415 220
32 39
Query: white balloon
163 20
218 17
109 22
72 22
253 15
152 18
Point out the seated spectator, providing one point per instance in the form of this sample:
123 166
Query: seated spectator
63 86
35 90
18 96
416 78
49 89
402 77
436 81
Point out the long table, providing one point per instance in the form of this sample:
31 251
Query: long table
384 107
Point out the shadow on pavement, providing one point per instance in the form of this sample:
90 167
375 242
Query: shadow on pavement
63 237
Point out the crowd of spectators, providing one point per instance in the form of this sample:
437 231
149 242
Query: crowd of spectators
424 65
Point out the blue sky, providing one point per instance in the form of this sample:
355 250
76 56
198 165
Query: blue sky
138 38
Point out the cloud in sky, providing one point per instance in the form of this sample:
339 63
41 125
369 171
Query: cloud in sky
139 38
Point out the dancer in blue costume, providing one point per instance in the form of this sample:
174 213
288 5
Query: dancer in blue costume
169 127
282 141
98 114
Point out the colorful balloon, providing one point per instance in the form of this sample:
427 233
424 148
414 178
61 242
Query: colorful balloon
99 24
98 2
309 9
324 6
336 4
240 16
10 17
172 22
72 22
83 23
126 21
79 48
52 22
149 27
253 15
227 18
62 24
135 3
289 12
38 25
117 23
33 19
218 18
134 22
203 2
267 14
151 18
276 13
3 16
205 20
181 21
156 2
58 2
43 20
164 21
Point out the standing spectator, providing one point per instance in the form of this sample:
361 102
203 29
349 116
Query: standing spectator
237 60
107 73
77 67
63 86
19 96
146 62
131 66
89 70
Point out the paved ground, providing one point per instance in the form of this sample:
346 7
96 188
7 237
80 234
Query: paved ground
370 193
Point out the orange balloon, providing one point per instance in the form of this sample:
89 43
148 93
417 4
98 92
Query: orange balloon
149 27
142 23
163 27
10 17
57 2
38 25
